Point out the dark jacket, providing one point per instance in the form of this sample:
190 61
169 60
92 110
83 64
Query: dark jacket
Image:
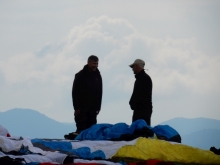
87 90
141 98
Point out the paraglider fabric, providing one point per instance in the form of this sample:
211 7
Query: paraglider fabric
95 148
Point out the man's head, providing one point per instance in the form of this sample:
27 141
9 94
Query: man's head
137 66
92 62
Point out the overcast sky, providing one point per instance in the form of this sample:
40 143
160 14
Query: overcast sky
44 43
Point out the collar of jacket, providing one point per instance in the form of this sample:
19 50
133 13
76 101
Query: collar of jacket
86 70
138 75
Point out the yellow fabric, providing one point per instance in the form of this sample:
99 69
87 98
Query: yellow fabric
146 149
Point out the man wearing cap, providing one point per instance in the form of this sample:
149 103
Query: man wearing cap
141 99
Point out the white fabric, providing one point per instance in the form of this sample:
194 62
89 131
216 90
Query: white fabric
7 145
52 157
2 154
31 158
3 131
108 147
95 161
56 157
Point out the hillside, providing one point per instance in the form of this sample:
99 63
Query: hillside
203 139
199 132
30 123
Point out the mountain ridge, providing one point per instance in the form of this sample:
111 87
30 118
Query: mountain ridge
35 124
182 125
198 132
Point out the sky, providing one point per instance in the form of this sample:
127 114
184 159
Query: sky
43 44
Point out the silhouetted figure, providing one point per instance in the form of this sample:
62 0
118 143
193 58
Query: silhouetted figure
141 99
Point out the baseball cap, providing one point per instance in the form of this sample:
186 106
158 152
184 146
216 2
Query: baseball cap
138 62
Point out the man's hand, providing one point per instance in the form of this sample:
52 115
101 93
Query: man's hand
76 112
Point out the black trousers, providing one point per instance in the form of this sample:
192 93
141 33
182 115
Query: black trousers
85 119
142 114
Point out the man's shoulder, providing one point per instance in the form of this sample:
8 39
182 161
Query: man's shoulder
79 74
146 77
98 72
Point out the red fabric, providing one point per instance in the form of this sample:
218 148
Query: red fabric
153 162
8 135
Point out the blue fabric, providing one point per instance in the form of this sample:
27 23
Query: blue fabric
165 130
103 132
66 147
24 151
54 145
139 124
85 153
110 131
96 132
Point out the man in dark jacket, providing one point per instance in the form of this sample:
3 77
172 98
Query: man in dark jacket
87 95
141 99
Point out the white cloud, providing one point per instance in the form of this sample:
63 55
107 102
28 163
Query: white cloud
176 66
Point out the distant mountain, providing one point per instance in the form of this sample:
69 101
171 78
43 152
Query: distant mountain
70 124
31 123
203 139
198 132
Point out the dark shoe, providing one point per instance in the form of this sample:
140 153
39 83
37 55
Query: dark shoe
215 150
74 133
71 136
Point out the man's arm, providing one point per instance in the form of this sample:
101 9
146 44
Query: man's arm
146 92
75 92
133 99
100 95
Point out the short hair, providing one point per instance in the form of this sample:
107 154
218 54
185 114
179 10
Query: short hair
93 58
